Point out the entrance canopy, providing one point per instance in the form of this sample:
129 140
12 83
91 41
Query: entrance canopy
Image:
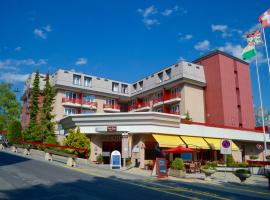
195 142
179 150
168 140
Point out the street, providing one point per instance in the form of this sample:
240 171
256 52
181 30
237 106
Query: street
23 178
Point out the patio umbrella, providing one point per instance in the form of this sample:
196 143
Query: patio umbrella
179 149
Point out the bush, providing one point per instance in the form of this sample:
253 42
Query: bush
14 133
178 164
267 157
230 161
99 158
210 165
242 171
253 157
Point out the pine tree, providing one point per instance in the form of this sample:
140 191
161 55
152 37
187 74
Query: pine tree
47 118
34 129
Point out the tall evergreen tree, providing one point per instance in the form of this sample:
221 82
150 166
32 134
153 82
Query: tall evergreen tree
33 132
47 118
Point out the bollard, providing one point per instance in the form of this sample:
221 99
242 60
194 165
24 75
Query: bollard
14 149
2 147
71 162
48 156
26 152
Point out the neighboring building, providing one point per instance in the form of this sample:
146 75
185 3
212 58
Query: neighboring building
216 91
258 116
228 95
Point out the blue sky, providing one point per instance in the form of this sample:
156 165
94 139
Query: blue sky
123 40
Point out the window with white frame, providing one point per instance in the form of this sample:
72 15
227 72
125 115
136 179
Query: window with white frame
141 85
87 81
88 98
76 79
135 87
174 109
69 95
124 89
70 111
168 73
115 87
160 77
110 101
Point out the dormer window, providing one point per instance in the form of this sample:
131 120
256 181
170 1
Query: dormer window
87 81
141 85
160 77
115 87
168 73
76 79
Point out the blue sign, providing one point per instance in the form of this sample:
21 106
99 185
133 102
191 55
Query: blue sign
186 156
115 160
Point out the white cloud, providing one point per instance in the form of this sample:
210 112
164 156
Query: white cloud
203 45
42 32
235 50
146 14
225 30
221 28
13 77
167 12
81 61
13 64
185 37
18 48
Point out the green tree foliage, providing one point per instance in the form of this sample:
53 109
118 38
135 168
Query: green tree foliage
47 122
77 139
9 106
51 140
14 133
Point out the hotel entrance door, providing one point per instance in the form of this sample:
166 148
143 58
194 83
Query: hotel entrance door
109 147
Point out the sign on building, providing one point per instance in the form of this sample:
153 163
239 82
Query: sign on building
111 128
125 145
115 160
226 146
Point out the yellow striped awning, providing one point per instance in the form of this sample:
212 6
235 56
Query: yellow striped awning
195 142
215 143
168 140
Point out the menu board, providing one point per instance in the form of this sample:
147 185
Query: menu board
160 168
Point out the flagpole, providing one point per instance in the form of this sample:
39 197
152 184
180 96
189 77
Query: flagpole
266 50
262 113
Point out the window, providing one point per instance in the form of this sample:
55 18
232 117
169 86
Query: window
168 74
124 89
159 110
159 95
115 87
88 98
69 95
174 109
110 101
76 79
87 82
135 87
160 77
70 111
141 85
87 111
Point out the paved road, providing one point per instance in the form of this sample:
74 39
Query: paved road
23 178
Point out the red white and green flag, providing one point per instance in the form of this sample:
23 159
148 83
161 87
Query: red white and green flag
264 19
249 51
254 37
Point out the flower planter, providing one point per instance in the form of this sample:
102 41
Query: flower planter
208 172
257 170
242 176
177 173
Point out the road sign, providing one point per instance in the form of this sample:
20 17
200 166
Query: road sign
226 146
115 160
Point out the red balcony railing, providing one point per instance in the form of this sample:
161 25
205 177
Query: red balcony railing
78 101
139 105
112 106
175 113
172 96
157 100
71 100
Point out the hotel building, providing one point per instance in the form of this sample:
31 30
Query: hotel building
215 90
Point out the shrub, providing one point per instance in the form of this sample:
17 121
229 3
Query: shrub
242 171
14 133
230 161
267 157
99 158
254 157
210 165
178 164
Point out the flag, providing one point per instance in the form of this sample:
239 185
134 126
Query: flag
249 51
264 19
255 37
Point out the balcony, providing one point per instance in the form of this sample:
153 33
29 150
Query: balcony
174 113
111 107
140 107
167 99
75 102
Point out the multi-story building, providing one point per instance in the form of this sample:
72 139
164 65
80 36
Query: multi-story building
215 90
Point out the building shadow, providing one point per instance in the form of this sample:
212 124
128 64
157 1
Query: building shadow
10 159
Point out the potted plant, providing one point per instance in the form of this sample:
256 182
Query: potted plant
186 118
177 168
253 157
242 174
209 169
99 159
